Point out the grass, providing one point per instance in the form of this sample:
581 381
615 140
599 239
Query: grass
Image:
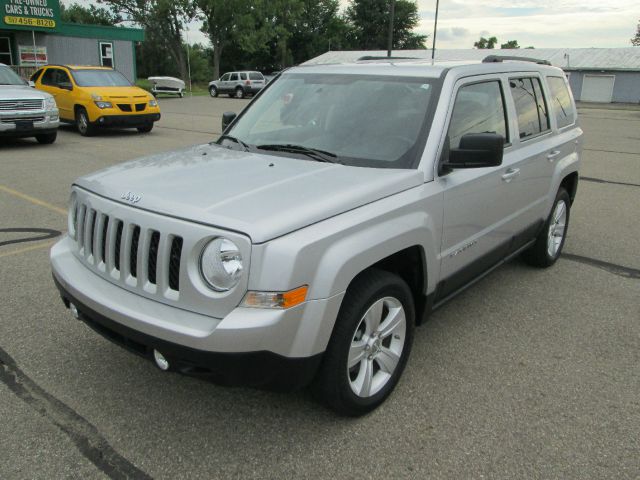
198 89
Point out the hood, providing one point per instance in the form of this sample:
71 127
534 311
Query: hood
118 93
21 92
263 196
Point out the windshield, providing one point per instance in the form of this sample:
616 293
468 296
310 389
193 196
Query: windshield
363 120
100 78
9 77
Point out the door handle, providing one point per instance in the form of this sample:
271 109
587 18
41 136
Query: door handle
510 174
552 155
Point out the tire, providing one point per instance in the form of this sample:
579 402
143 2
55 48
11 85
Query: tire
83 124
550 241
374 372
145 128
47 138
239 93
213 91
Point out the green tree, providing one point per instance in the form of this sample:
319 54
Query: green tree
370 23
486 43
91 15
163 21
635 41
511 44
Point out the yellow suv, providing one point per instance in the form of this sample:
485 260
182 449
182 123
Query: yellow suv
94 97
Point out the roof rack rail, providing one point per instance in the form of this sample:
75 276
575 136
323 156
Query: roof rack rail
371 57
500 58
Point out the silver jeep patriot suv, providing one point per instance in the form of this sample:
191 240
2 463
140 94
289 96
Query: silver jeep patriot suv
334 213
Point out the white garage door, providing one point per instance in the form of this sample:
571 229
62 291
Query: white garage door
597 88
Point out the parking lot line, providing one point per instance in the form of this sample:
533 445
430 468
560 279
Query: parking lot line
28 249
33 200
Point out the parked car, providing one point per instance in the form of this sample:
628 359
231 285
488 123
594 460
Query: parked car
93 97
237 84
167 85
25 112
334 213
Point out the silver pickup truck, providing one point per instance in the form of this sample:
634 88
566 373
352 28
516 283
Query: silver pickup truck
334 213
24 111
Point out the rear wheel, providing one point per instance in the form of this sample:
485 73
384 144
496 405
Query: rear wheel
213 91
550 241
47 138
146 128
369 346
83 124
239 92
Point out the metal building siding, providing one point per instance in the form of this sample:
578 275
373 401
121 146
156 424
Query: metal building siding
627 87
575 81
81 51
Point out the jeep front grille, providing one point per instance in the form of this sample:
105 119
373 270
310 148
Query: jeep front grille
130 254
20 105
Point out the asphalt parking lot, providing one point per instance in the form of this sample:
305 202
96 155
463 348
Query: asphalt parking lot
529 374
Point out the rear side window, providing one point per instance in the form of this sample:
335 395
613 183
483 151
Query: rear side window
243 76
478 108
530 106
234 77
255 76
561 101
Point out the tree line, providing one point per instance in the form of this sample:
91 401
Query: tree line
265 35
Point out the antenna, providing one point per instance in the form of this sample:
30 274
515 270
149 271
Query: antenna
435 30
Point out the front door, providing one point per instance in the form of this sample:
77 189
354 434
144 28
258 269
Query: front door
57 82
477 209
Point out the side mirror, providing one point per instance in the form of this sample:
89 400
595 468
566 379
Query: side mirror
65 86
32 84
477 150
227 118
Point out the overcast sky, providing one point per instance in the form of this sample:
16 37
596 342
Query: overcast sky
538 23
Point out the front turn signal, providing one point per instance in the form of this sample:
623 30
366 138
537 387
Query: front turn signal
279 300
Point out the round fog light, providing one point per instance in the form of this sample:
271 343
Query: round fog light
161 362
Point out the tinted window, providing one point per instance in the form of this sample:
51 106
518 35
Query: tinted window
530 106
243 76
100 78
234 77
225 77
561 101
50 77
478 108
255 76
34 78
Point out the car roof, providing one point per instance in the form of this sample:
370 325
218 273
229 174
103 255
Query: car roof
409 67
79 67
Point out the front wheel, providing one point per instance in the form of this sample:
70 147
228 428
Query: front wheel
369 346
146 128
82 122
213 91
550 241
47 138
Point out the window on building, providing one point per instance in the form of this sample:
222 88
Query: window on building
106 54
5 51
478 108
561 101
530 106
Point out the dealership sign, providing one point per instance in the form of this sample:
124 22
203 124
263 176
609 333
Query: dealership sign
30 14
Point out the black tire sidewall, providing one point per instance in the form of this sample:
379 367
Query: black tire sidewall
213 91
355 304
564 196
89 130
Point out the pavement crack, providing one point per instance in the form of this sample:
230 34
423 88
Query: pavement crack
619 270
85 436
609 151
47 233
600 180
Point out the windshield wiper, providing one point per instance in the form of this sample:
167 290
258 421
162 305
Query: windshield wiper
234 139
314 153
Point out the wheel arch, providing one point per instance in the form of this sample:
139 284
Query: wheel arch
570 184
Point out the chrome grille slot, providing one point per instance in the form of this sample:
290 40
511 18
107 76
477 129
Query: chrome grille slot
118 244
30 118
153 257
91 233
82 210
104 228
18 105
174 263
133 252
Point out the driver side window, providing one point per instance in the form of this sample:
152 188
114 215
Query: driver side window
478 108
225 77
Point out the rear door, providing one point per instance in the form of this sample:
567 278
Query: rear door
257 80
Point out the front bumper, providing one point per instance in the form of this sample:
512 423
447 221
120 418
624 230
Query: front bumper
276 348
28 124
137 120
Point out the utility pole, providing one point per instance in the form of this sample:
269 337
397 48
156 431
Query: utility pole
390 37
435 30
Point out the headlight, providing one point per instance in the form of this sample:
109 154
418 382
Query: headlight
221 264
104 105
153 102
50 103
72 220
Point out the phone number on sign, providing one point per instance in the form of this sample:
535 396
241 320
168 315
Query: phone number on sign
30 22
